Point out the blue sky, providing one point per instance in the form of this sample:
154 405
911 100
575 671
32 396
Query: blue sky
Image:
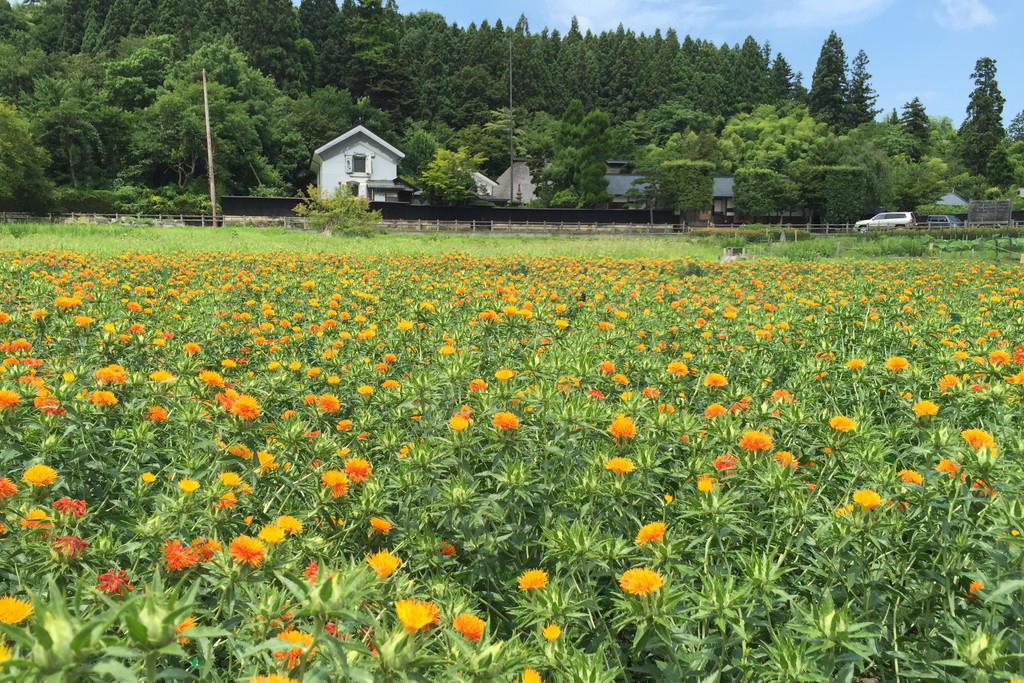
923 48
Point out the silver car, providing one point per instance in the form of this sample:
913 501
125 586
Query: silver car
888 221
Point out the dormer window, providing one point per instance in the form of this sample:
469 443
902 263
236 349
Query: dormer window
359 163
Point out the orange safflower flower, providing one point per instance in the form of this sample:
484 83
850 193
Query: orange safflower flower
416 614
178 556
948 382
470 626
533 579
380 526
756 441
715 379
358 469
329 403
678 368
36 519
786 460
245 408
911 477
841 423
926 409
247 550
458 423
978 439
654 531
384 563
725 463
156 414
103 398
620 465
39 475
715 410
7 488
505 421
337 481
622 427
9 399
640 581
897 364
948 466
301 646
867 499
855 364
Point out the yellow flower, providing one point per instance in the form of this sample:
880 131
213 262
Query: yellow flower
706 484
551 632
13 610
272 534
148 477
533 579
40 475
531 676
188 485
650 532
289 524
384 563
925 409
415 614
843 424
867 499
620 465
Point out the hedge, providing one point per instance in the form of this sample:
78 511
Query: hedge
688 185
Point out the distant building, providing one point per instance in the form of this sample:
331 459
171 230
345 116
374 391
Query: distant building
365 162
485 187
516 183
951 199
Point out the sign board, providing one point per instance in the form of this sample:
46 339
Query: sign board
989 213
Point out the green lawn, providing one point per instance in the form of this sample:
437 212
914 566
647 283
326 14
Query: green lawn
110 238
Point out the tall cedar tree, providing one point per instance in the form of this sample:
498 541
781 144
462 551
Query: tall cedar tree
318 21
827 99
982 130
589 181
375 65
271 51
915 123
861 98
1015 131
560 175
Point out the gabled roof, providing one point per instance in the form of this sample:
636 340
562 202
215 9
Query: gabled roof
481 178
951 199
621 183
723 186
365 131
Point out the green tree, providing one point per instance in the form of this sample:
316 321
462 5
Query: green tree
982 130
686 185
914 183
22 180
861 97
1015 131
589 179
782 82
134 81
915 123
561 173
827 100
770 137
448 177
375 69
273 51
338 212
999 169
419 147
761 192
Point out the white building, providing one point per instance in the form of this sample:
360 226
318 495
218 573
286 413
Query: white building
365 162
485 187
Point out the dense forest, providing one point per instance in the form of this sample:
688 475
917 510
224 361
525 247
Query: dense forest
101 106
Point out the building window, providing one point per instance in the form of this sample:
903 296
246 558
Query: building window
359 163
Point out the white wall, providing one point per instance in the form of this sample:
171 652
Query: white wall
334 170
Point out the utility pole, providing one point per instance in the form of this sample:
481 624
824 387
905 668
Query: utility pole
209 152
511 130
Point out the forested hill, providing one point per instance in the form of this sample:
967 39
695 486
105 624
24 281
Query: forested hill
110 92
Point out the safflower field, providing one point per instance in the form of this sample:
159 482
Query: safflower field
284 466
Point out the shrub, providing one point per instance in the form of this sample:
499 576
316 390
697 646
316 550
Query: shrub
339 212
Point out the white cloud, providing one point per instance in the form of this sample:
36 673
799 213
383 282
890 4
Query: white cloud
964 14
689 16
820 13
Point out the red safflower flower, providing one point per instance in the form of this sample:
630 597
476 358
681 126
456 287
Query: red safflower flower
68 546
70 506
113 582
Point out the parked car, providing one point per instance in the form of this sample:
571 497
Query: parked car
888 221
943 221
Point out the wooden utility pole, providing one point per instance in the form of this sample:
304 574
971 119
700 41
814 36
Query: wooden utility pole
511 131
209 152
